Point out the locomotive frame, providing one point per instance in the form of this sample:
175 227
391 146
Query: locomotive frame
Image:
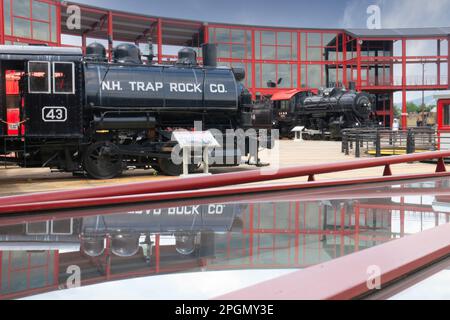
70 122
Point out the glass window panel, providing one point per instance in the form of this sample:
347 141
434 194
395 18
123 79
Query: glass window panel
294 46
223 50
63 75
22 28
303 46
284 53
294 76
268 37
314 76
21 8
268 52
249 44
237 36
53 24
327 38
268 74
38 77
40 11
258 75
7 13
284 72
222 35
210 33
238 51
446 115
284 38
303 76
38 278
41 31
249 75
314 39
258 44
314 54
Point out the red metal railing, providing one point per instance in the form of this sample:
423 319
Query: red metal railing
349 277
191 187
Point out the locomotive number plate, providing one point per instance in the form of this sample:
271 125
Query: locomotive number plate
54 114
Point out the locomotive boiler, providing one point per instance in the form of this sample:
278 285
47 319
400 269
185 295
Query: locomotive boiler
326 112
84 114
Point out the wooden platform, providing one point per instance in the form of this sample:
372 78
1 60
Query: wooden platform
291 153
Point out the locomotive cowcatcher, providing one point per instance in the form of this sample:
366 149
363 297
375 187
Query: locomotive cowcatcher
83 114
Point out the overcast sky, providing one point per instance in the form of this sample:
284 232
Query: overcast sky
296 13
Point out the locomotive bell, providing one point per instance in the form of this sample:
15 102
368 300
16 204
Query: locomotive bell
127 53
187 56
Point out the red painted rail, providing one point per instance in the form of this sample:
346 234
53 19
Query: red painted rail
113 194
348 277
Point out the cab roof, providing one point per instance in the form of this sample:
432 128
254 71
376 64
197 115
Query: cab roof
39 50
289 94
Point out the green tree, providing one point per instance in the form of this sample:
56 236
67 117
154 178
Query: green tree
412 107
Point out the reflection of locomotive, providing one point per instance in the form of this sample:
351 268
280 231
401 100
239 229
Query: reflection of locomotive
190 228
328 111
83 114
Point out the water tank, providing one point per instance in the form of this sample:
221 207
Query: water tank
127 53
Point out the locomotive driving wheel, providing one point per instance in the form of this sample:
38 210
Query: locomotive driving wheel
102 160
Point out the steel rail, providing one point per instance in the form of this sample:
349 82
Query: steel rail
353 276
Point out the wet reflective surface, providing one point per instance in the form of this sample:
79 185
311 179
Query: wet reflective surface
201 248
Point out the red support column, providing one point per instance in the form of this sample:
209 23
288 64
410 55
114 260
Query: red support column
159 30
448 63
438 63
1 264
157 240
2 24
205 33
83 42
253 90
55 269
404 107
251 232
344 60
110 35
299 65
58 23
357 221
358 64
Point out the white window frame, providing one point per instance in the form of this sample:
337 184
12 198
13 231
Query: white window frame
54 78
48 78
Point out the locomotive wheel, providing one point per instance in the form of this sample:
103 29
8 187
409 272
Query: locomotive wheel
102 161
167 167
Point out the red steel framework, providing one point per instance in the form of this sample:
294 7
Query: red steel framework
98 23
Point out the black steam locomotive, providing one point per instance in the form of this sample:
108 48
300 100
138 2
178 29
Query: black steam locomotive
326 112
84 114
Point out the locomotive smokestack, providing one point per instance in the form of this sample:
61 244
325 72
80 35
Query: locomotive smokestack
209 54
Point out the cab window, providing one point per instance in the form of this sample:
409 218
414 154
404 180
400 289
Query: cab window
38 77
63 78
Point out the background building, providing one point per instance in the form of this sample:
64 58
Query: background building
378 61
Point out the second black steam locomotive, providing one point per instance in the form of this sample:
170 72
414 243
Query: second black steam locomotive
80 113
326 112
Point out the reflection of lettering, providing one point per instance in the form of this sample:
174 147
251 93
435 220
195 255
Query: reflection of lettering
216 209
211 209
374 277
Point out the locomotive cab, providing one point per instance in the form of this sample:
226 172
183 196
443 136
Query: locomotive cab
84 114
